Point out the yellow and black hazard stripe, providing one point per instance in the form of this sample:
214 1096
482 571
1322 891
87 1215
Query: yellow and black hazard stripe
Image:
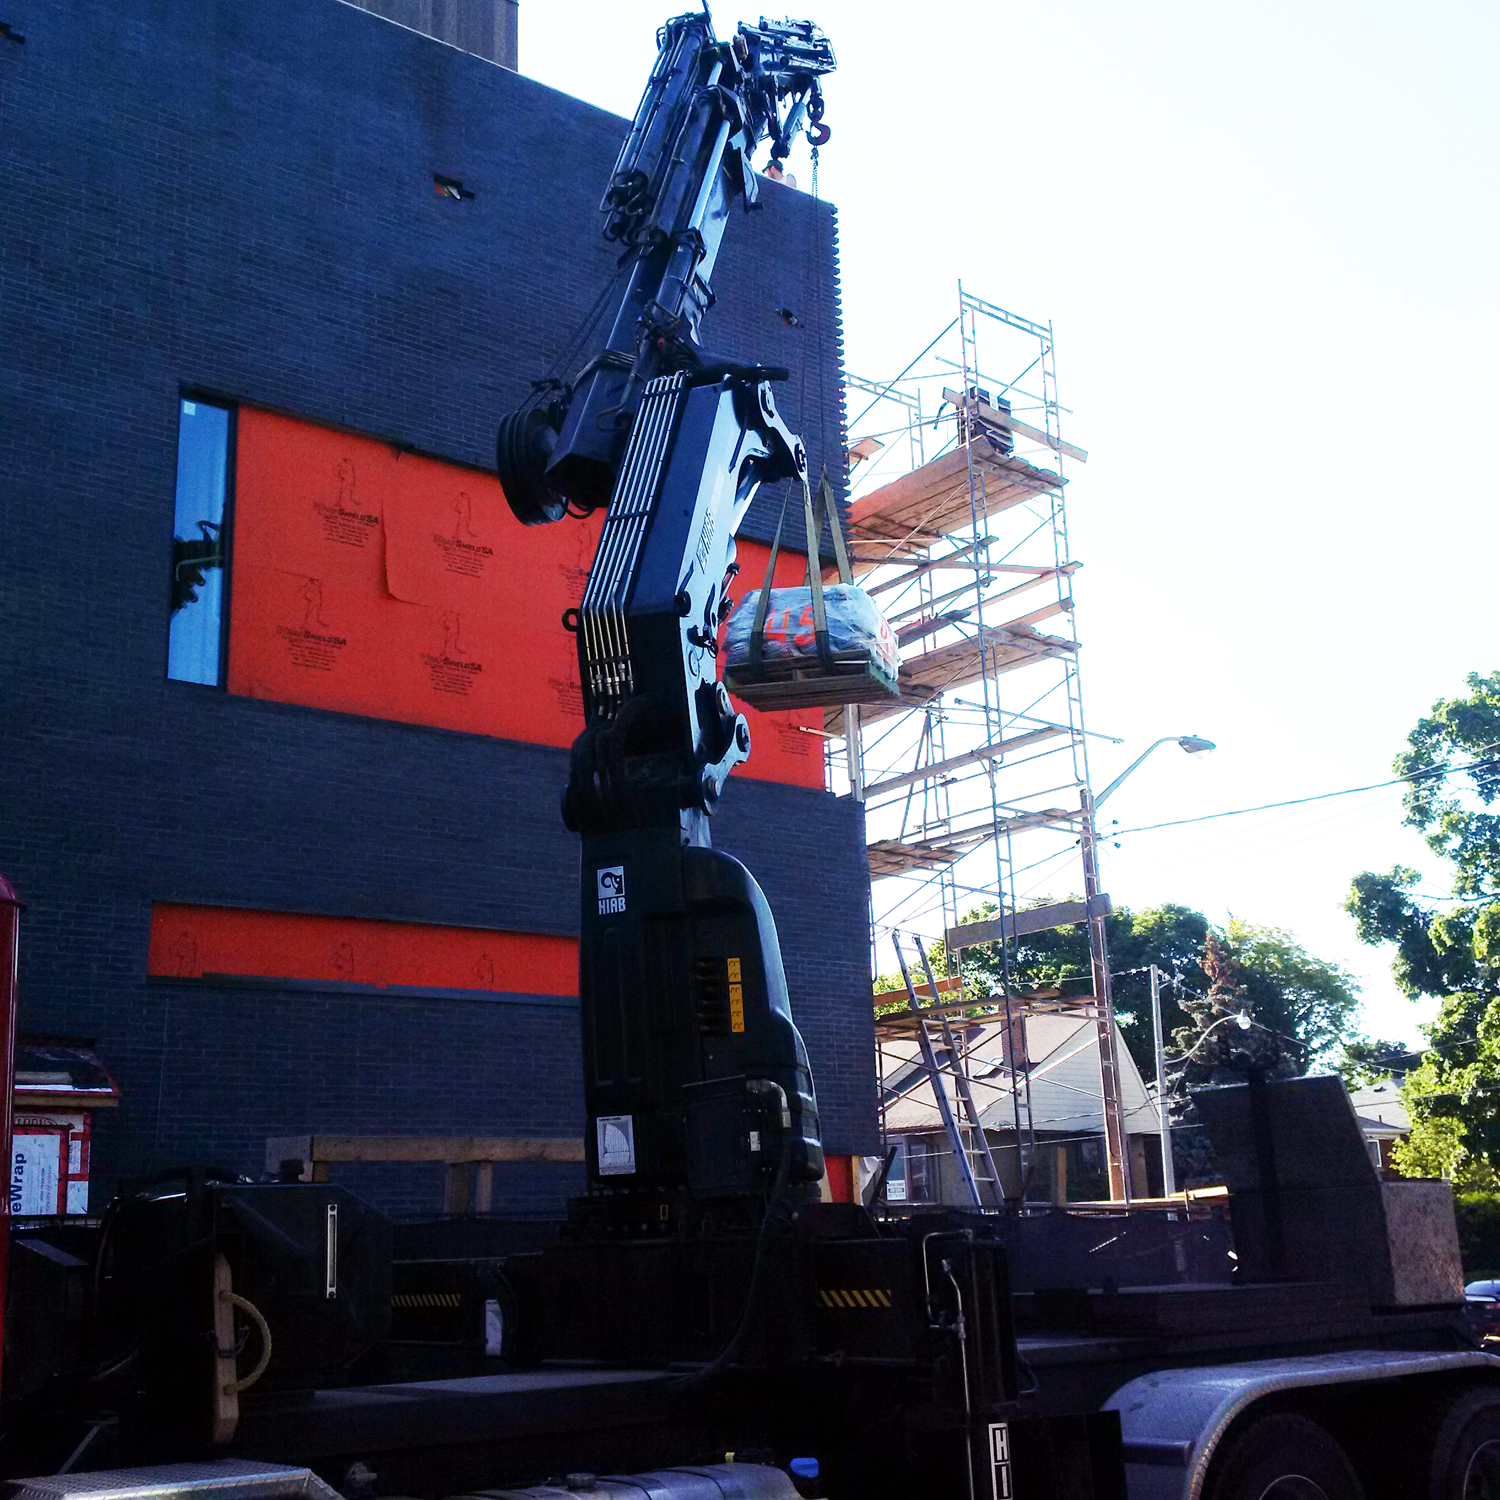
426 1299
872 1297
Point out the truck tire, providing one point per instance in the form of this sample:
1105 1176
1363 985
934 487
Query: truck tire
1282 1457
1466 1450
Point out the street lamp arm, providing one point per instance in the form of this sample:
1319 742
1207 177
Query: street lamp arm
1192 743
1240 1019
1165 740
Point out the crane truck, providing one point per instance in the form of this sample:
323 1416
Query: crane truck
703 1325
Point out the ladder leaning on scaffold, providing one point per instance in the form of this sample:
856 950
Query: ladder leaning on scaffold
963 1154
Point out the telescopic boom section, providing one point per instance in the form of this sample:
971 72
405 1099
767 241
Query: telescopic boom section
707 107
696 1084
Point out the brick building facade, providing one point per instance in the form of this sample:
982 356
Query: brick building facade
234 200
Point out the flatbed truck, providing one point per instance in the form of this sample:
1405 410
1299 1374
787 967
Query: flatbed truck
702 1325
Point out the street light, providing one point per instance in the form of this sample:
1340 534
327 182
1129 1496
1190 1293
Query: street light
1191 743
1109 1067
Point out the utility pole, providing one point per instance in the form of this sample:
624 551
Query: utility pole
1104 1006
1168 1171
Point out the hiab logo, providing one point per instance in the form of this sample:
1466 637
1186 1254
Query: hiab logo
611 890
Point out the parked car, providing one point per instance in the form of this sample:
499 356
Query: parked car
1482 1307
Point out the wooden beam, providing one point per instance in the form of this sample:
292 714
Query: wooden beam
1038 1003
892 857
954 559
1008 927
922 507
319 1150
945 986
987 413
992 751
923 608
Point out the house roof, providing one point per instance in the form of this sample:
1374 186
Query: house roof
1063 1080
1381 1104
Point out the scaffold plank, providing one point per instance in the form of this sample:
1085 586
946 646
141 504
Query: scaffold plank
1012 925
1042 818
916 511
928 618
996 751
892 857
932 673
964 839
895 1024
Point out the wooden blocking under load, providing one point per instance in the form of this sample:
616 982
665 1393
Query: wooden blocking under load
465 1156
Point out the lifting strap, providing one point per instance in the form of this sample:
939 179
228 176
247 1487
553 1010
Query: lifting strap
812 522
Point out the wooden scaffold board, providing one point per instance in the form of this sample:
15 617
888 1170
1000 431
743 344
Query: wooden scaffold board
929 674
902 519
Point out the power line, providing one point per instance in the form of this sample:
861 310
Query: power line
1347 791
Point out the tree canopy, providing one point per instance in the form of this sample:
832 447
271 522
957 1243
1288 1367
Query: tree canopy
1449 949
1302 1008
1304 1004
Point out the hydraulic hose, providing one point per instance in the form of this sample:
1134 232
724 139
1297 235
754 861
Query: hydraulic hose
775 1201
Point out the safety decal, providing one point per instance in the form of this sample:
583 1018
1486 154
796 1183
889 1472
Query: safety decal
860 1297
616 1138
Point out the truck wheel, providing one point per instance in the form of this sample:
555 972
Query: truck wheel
1282 1457
1466 1451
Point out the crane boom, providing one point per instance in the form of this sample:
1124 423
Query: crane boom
697 1084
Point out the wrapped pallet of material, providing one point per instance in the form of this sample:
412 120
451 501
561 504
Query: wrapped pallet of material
859 664
820 646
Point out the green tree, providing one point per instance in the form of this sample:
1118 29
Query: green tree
1369 1059
1451 955
1306 1003
1221 1044
1169 936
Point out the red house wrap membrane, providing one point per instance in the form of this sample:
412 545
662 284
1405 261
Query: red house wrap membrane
191 942
377 582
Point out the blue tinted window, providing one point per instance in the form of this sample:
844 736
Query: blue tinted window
193 652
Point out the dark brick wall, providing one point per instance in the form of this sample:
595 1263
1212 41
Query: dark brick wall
236 196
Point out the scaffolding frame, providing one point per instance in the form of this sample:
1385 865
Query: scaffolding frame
984 755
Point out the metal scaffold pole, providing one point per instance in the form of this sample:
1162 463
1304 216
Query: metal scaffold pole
976 781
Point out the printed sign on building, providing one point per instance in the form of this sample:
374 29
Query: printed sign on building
38 1170
76 1166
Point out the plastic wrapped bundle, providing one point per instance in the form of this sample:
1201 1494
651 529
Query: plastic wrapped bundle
858 665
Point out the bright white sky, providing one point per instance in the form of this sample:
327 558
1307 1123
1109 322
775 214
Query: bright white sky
1267 237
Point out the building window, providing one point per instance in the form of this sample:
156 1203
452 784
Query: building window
922 1164
199 544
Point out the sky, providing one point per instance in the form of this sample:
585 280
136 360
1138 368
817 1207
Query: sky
1267 240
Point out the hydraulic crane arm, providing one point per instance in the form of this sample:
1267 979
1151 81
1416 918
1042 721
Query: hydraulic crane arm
706 109
696 1083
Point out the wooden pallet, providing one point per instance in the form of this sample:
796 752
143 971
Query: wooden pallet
789 682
